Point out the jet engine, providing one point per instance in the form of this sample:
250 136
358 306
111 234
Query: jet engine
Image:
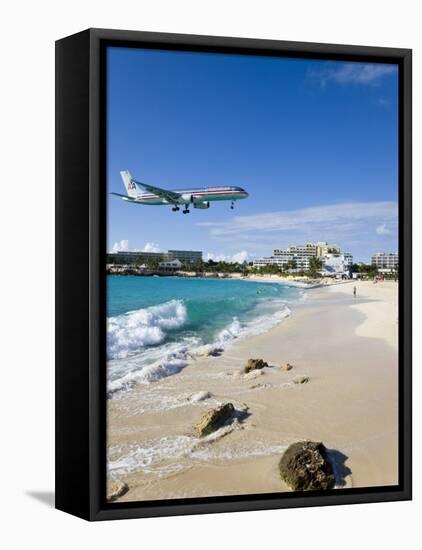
201 205
187 198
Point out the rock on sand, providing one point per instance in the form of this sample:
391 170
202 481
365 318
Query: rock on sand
116 489
254 364
286 366
305 467
214 419
301 380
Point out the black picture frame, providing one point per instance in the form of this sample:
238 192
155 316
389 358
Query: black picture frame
80 273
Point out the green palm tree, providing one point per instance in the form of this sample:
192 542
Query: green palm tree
315 266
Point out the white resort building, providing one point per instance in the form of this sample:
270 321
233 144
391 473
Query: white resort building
137 257
170 265
297 258
385 261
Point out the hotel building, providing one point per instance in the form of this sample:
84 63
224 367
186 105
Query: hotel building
131 258
300 254
185 256
385 260
330 254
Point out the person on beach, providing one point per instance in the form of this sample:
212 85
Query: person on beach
354 291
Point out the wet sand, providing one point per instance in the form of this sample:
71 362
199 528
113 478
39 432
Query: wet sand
347 347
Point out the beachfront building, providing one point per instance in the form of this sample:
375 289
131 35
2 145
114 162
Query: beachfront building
133 258
148 258
385 261
170 265
323 249
299 256
272 260
185 256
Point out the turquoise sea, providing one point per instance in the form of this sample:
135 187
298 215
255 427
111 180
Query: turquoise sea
155 324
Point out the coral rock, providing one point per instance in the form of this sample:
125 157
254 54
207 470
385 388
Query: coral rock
116 489
254 364
214 419
305 467
301 380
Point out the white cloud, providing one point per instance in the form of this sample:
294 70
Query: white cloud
316 218
121 246
239 257
151 247
352 73
383 229
350 225
215 257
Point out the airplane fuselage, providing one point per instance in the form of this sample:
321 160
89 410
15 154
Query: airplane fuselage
199 195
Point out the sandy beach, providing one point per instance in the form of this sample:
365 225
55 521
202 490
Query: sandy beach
346 345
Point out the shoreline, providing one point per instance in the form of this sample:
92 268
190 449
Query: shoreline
348 349
304 280
177 353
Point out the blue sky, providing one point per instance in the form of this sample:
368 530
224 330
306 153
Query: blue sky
313 142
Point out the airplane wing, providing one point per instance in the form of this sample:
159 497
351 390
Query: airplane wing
122 196
170 196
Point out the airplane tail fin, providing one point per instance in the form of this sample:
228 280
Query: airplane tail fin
131 186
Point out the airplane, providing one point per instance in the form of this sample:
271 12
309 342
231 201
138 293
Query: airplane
142 193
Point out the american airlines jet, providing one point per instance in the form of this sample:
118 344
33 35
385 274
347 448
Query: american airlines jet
142 193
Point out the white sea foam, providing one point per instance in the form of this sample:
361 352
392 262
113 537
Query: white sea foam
130 332
175 453
147 374
236 330
230 332
266 322
255 326
299 284
149 455
149 366
158 399
199 396
133 358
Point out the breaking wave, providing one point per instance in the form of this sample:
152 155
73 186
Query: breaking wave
130 332
141 351
149 366
236 330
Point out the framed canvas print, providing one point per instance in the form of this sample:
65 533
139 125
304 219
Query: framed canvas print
233 274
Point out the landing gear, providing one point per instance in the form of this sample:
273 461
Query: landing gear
175 208
186 210
232 205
